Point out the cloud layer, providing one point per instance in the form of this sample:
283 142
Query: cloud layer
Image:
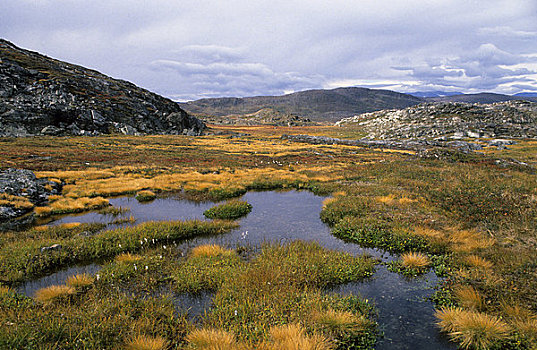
191 49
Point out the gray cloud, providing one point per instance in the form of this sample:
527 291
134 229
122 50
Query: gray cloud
487 68
188 49
506 31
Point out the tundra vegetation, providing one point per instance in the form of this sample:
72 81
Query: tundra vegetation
469 218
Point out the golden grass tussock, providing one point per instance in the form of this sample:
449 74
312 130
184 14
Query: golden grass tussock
478 262
53 198
16 202
4 290
145 342
468 297
339 321
69 225
51 294
125 180
41 228
80 281
294 337
469 240
528 328
71 205
127 258
212 339
406 201
517 312
415 260
70 176
428 232
208 250
42 211
523 320
472 329
389 199
328 200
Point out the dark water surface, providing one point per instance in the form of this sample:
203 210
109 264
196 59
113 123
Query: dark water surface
405 316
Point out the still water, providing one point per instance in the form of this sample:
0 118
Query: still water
405 315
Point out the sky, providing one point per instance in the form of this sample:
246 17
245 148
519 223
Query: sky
191 49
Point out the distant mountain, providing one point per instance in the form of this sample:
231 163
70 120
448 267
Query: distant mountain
43 96
485 97
317 105
426 94
526 94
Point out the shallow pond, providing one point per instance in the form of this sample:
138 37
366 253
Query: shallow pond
405 316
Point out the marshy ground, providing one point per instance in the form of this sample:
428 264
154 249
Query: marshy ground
471 220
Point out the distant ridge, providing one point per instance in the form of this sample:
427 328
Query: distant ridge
438 93
484 97
526 94
318 105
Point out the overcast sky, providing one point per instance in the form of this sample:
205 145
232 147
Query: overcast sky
189 49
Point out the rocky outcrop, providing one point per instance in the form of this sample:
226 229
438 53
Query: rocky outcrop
413 145
512 119
265 116
20 190
43 96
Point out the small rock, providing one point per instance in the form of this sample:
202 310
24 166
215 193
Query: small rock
53 247
501 142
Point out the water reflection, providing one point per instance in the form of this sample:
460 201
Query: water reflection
405 316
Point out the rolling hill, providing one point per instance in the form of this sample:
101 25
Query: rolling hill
318 105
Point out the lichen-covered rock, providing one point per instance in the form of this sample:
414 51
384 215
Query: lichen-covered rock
43 96
511 119
23 184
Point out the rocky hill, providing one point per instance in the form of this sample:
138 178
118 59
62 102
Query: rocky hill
484 97
317 105
436 120
43 96
265 116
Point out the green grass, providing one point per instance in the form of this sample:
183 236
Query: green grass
20 260
145 196
230 210
282 285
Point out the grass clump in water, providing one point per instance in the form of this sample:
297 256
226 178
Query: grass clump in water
80 281
52 294
145 196
21 259
411 264
209 250
472 329
230 210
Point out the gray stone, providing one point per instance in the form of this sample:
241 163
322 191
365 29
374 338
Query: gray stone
501 142
23 183
51 130
51 248
42 96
